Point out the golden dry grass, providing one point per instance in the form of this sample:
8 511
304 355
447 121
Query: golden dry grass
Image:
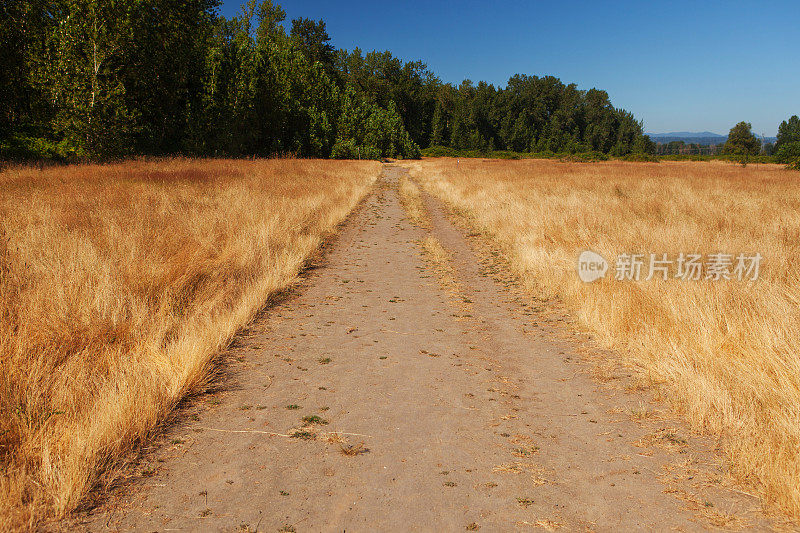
725 352
437 255
119 284
411 200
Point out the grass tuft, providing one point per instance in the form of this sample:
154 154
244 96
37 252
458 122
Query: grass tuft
314 419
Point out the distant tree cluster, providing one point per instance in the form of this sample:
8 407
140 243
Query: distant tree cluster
680 147
533 114
92 78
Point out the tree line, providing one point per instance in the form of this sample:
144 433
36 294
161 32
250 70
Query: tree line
86 78
114 78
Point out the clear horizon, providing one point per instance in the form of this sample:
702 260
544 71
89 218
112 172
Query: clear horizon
688 67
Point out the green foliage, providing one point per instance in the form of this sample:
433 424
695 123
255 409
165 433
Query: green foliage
26 148
787 147
688 157
348 149
788 152
74 71
91 78
446 151
644 145
313 40
585 157
641 156
22 26
504 154
741 142
717 157
440 151
532 115
788 132
366 128
85 78
382 79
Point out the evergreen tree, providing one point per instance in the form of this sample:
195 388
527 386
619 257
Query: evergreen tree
741 141
644 145
788 132
313 40
787 147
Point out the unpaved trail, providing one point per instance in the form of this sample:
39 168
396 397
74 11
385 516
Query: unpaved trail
475 405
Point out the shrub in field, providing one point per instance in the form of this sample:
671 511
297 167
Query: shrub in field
641 157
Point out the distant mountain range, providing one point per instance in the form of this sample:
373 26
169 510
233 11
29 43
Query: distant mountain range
696 137
691 134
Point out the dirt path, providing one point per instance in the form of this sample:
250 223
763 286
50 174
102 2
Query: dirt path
475 406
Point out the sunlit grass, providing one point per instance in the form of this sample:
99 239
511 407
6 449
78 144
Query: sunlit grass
725 352
119 284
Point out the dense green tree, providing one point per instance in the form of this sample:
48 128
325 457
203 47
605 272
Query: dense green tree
313 40
79 72
439 132
788 153
644 145
788 132
442 120
262 93
787 147
22 25
109 77
741 141
367 131
382 78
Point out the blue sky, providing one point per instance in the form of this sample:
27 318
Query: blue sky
679 66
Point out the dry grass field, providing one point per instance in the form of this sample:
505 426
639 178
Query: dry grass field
724 352
118 286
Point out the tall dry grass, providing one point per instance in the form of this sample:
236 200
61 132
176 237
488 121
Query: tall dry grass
119 284
727 352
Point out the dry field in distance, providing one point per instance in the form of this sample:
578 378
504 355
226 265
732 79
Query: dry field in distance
119 284
724 352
